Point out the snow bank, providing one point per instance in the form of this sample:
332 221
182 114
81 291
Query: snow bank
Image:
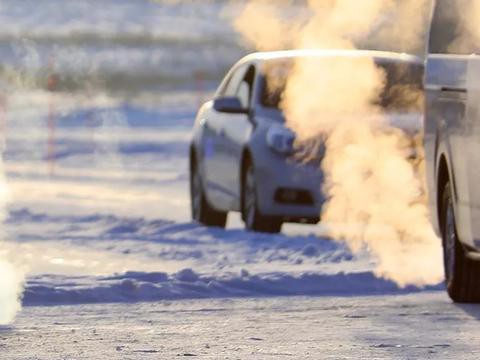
206 262
186 284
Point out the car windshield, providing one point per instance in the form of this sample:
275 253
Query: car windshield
402 93
274 81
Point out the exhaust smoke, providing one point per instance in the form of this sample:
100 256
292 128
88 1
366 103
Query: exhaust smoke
374 186
11 286
11 278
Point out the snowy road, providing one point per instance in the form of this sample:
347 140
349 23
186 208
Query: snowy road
421 326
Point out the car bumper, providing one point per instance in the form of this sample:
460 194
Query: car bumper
288 189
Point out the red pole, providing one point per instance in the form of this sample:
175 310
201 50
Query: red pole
3 119
51 85
90 117
200 87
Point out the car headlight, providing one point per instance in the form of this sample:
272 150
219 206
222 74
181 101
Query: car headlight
281 140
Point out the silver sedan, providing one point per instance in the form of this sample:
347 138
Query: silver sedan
244 158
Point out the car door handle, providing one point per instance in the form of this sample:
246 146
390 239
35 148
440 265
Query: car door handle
453 89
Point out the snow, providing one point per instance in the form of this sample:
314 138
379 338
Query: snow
108 221
187 284
104 231
416 326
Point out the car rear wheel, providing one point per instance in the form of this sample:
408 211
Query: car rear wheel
202 212
461 273
254 220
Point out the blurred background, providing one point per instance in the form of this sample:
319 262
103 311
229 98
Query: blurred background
97 104
97 97
124 46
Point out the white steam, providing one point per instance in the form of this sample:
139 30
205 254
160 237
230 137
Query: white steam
11 278
12 273
10 292
375 191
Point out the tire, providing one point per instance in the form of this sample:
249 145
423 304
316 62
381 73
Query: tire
461 273
201 210
253 219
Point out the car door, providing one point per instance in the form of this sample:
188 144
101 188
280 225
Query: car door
215 149
472 124
451 106
236 131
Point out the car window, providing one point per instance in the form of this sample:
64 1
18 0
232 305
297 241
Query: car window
273 82
245 89
444 27
402 93
243 94
234 83
229 85
449 32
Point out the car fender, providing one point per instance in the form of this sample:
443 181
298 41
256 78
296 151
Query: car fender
462 213
443 149
197 142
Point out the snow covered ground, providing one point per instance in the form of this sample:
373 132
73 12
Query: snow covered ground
420 326
100 213
99 219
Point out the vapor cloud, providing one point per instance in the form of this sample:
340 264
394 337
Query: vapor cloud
11 277
10 292
376 196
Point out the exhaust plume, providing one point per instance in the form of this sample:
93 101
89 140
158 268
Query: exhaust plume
10 292
375 191
11 279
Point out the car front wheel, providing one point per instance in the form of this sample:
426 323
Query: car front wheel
461 273
254 220
202 212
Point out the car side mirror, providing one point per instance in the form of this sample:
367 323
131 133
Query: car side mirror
229 105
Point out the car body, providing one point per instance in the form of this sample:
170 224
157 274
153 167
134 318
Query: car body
452 151
241 148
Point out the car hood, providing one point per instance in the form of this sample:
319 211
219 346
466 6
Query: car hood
411 123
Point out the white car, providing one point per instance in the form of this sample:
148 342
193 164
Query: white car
452 149
243 157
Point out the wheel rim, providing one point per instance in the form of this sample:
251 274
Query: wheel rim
250 199
196 195
450 242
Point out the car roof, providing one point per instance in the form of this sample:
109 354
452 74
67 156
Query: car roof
386 56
